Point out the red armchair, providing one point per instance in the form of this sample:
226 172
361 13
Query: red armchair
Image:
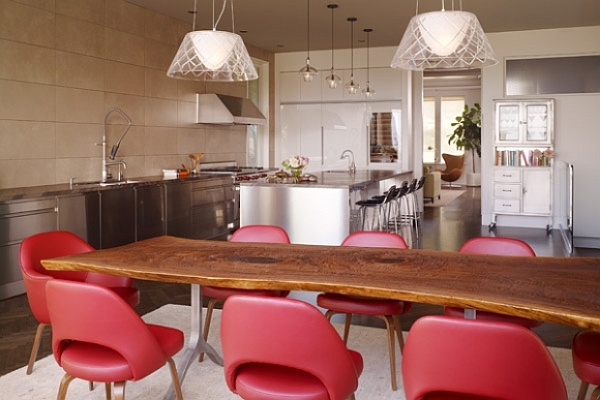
278 348
499 246
57 244
586 362
98 337
386 309
248 233
455 359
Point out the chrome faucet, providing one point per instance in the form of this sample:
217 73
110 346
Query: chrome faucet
105 172
350 156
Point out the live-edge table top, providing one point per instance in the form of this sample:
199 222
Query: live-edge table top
560 290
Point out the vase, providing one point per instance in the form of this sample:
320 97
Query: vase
296 172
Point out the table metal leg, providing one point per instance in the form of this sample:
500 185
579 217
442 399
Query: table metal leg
196 343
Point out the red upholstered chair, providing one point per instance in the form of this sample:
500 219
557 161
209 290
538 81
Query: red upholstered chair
248 233
447 358
499 246
387 310
98 337
278 348
57 244
586 362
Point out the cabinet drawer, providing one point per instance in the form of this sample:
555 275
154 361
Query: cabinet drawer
507 191
507 175
507 206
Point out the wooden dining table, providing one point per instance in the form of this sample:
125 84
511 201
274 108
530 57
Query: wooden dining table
554 289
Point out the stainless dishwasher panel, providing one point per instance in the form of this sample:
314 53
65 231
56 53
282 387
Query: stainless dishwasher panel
18 220
213 208
149 212
117 217
178 209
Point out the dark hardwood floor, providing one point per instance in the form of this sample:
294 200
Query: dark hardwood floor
444 228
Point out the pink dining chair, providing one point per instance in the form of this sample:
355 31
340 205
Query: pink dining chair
277 348
248 233
586 362
385 309
57 244
500 246
448 358
97 336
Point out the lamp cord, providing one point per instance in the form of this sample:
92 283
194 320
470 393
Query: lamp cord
221 14
308 29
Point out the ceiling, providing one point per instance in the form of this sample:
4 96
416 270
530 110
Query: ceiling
281 25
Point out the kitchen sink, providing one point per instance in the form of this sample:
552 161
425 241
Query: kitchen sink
103 184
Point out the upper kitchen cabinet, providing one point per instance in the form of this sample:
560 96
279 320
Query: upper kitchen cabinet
525 122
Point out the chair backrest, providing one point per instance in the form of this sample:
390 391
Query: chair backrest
285 332
50 245
453 161
455 357
260 234
94 314
420 183
375 239
499 246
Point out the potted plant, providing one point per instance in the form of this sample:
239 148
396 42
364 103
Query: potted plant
467 135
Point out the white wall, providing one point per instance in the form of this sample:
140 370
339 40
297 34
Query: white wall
380 58
577 120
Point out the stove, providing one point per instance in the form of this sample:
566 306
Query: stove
240 174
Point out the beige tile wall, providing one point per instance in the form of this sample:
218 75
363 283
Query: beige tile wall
64 63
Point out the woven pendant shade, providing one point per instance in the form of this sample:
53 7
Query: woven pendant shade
212 56
444 39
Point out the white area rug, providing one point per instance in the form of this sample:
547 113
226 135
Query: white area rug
205 380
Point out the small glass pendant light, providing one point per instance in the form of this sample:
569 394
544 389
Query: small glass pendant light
307 72
368 92
332 79
352 87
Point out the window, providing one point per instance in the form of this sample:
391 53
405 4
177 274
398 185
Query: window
439 112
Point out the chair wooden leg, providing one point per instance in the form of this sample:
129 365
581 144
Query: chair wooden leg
175 378
596 394
119 390
64 385
353 397
107 390
209 311
398 329
347 324
389 324
582 390
36 346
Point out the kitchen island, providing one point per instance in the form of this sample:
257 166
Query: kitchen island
321 212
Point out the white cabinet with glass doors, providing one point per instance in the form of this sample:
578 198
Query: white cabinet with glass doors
523 177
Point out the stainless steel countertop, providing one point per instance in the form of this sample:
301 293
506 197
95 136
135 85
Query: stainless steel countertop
337 179
34 192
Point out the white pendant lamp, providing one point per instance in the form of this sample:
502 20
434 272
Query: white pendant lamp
332 79
444 39
212 55
307 72
368 92
352 87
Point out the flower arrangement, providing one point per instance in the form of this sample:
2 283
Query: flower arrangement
295 164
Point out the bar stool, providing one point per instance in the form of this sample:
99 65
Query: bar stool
378 207
395 212
586 362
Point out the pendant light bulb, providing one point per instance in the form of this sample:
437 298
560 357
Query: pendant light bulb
307 72
332 79
368 92
352 87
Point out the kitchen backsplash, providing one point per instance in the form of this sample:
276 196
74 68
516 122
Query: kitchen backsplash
65 62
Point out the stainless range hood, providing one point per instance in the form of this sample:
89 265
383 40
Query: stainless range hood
227 110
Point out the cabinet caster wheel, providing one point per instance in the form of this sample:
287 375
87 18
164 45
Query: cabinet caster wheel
492 226
548 229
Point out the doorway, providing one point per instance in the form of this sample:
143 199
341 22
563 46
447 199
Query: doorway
445 93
